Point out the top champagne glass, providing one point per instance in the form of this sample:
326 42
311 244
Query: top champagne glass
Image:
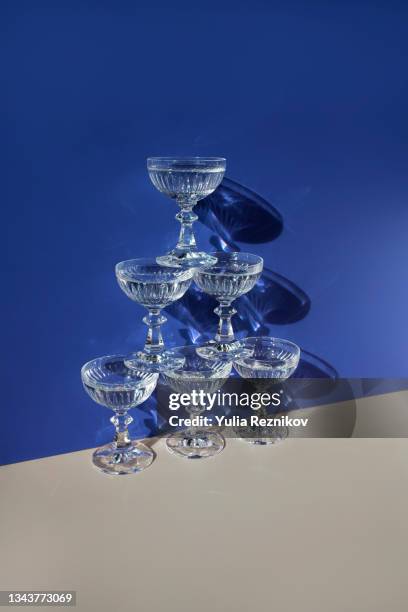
187 180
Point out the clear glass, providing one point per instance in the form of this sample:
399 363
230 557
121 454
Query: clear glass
187 180
154 287
273 360
233 275
196 374
110 383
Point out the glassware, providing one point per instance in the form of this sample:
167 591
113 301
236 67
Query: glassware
187 180
233 275
273 361
111 384
201 375
154 287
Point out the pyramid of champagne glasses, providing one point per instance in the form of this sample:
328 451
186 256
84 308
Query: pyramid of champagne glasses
122 382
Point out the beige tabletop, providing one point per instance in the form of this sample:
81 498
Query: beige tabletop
317 525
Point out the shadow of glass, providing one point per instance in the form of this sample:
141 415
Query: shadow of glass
275 300
235 213
309 374
312 366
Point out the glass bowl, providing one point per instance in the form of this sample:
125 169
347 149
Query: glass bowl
271 358
200 375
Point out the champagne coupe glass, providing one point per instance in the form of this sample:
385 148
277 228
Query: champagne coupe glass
154 287
201 375
233 275
111 384
273 361
187 180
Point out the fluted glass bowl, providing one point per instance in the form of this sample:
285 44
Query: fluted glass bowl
192 177
271 358
197 374
234 274
150 284
111 384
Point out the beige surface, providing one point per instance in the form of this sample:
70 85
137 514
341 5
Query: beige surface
308 525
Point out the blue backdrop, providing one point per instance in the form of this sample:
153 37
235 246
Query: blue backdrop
307 100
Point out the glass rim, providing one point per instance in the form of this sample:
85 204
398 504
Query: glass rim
178 374
197 159
177 272
253 266
293 360
139 383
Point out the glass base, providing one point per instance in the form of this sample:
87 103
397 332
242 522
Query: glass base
187 259
199 444
224 351
263 436
155 362
119 461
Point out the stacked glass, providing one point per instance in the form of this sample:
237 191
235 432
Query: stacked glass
121 382
186 180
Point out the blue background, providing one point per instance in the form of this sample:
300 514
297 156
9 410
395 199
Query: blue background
307 100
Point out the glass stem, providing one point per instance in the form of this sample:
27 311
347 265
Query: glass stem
121 420
192 430
154 340
262 413
186 241
225 333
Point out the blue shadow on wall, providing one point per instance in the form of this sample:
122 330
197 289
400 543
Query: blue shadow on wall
236 214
